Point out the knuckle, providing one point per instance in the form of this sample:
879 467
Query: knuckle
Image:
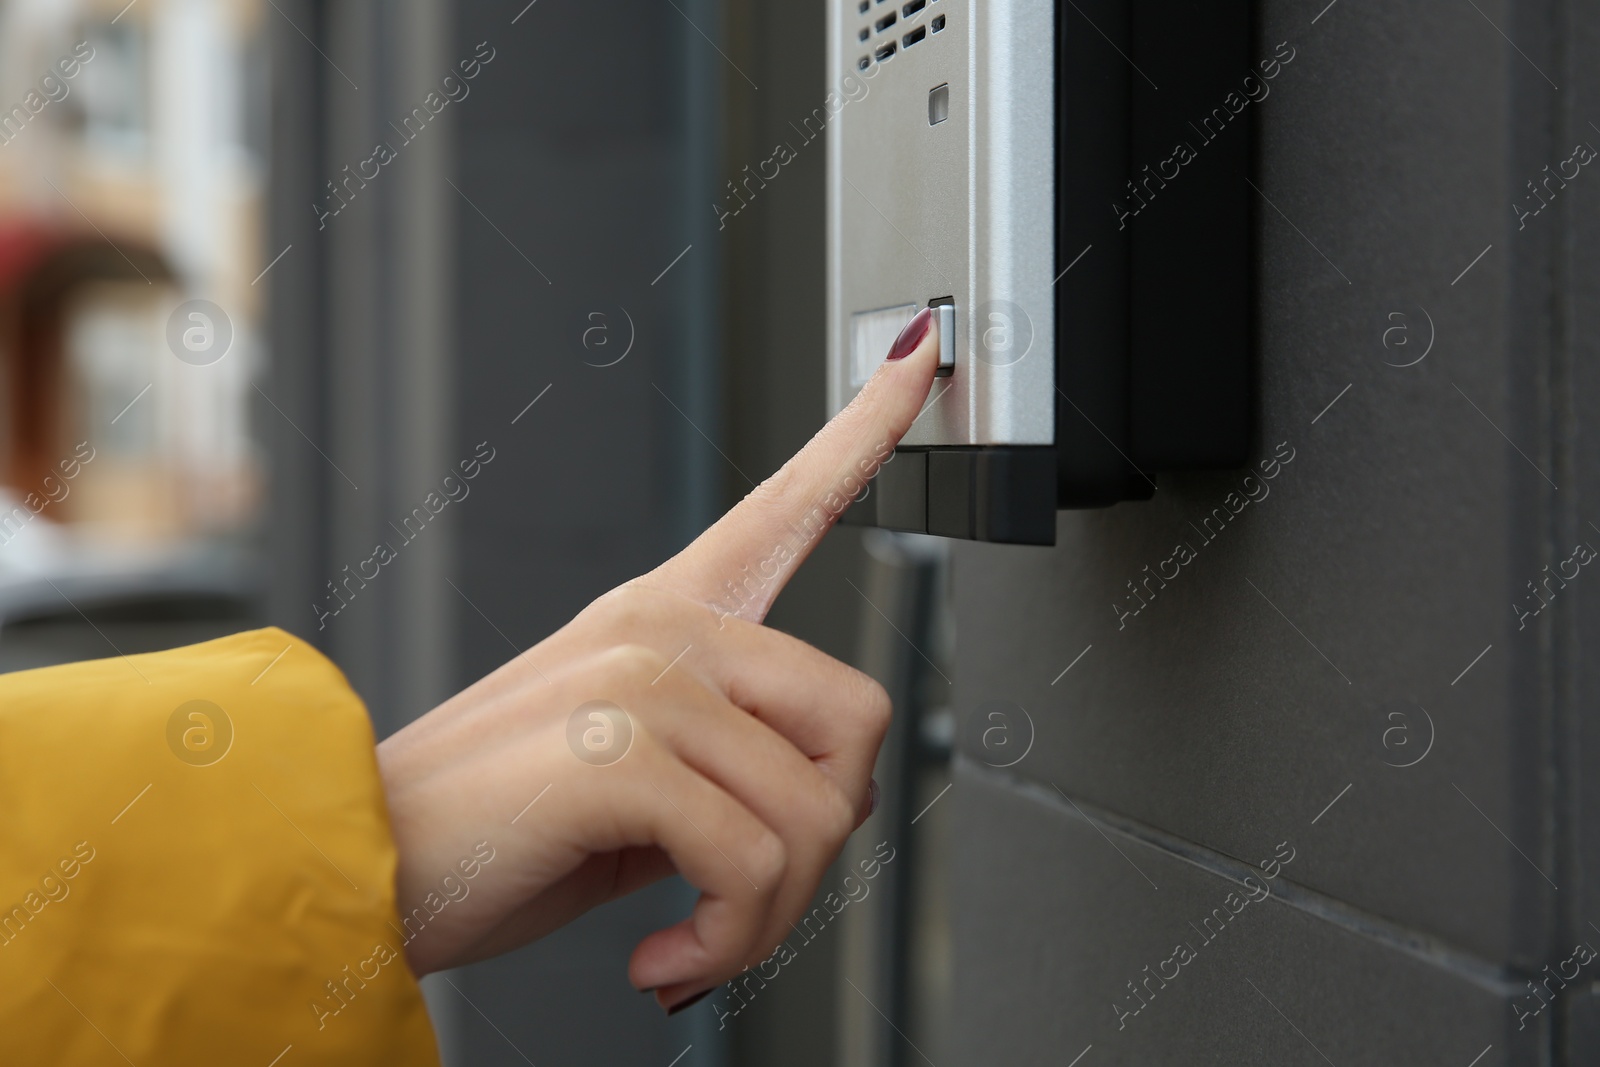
781 484
640 613
769 860
877 709
839 816
623 611
632 663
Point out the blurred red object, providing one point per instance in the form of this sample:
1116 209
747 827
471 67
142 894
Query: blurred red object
41 268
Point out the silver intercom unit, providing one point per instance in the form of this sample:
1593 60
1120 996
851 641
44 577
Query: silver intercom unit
1012 164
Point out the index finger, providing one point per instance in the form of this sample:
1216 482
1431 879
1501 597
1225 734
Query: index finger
743 561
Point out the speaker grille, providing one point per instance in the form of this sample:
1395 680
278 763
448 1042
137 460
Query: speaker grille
890 30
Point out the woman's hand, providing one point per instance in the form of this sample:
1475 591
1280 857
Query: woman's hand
733 754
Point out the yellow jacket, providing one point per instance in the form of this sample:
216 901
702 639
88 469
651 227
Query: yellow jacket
197 866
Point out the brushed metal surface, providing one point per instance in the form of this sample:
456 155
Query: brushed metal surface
961 208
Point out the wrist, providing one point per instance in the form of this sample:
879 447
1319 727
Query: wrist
404 832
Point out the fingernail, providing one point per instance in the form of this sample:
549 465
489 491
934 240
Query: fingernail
874 798
912 335
697 998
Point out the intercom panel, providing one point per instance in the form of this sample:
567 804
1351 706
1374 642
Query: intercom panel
1014 164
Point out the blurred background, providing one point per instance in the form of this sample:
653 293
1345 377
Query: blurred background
271 269
134 155
241 344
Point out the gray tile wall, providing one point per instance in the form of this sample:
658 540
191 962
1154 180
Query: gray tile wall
1347 638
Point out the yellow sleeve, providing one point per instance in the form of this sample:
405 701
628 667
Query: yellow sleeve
197 866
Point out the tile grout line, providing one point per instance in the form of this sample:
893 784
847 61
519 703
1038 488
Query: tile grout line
1493 977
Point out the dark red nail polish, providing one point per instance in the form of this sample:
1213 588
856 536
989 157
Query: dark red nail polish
874 798
697 998
912 335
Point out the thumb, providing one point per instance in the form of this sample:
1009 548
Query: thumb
743 561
